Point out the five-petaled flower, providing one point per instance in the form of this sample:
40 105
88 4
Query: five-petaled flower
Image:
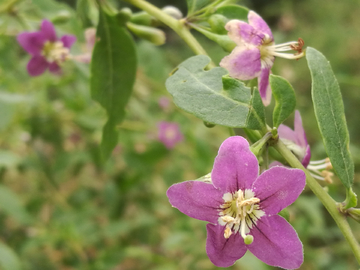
295 140
255 52
169 134
46 49
242 208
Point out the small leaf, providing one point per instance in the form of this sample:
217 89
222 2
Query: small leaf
211 96
10 203
194 5
233 12
285 100
9 260
329 112
113 71
256 117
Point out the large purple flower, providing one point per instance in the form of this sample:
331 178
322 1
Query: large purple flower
255 52
242 208
47 51
296 140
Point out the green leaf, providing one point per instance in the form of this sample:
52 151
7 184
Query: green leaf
213 97
329 112
194 5
9 260
10 203
233 12
285 100
113 71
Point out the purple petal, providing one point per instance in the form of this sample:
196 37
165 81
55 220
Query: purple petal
243 63
68 40
306 160
259 24
235 166
196 199
287 133
221 251
299 130
264 86
276 243
48 30
33 43
37 65
54 68
278 187
242 33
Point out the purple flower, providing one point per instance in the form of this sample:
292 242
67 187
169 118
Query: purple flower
295 140
255 52
242 208
46 49
169 134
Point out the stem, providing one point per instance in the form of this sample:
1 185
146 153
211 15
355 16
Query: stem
178 26
324 197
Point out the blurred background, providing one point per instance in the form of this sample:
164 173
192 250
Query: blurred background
61 207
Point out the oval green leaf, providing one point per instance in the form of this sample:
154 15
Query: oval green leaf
213 97
285 100
233 12
329 112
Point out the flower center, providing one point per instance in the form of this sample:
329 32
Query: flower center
269 50
55 52
240 213
170 134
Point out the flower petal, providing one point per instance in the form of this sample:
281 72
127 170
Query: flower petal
221 251
235 166
264 86
37 65
276 243
242 33
33 43
68 40
299 130
287 133
243 63
196 199
54 68
259 24
278 187
306 160
48 30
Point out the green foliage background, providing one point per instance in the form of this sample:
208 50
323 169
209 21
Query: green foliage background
61 207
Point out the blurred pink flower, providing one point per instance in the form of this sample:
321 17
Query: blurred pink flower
48 52
90 37
164 103
169 134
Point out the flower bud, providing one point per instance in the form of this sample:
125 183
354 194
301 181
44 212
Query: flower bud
217 23
173 12
142 18
62 17
154 35
124 15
